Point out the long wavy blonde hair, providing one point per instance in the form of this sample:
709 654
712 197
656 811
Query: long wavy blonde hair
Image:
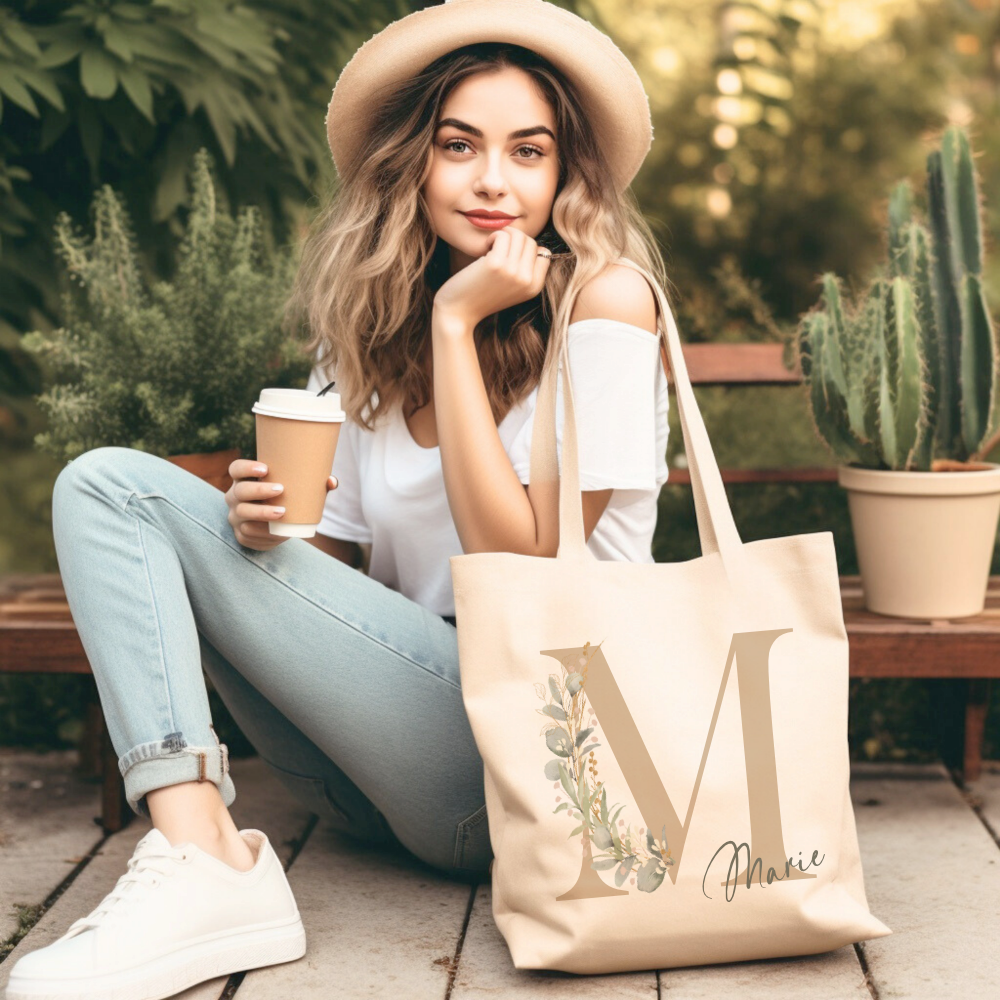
371 263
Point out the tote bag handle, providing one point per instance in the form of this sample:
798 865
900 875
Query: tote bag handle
716 527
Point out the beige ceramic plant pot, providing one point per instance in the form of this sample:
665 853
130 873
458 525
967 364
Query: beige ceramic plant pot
924 539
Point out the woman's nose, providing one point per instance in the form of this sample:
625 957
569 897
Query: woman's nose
492 178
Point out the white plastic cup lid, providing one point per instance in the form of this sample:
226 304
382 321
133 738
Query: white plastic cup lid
300 404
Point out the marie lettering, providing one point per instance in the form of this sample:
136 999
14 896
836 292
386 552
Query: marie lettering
758 866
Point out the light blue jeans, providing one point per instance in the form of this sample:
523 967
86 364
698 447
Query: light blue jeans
349 690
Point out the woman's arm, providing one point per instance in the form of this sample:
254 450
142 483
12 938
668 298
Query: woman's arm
493 511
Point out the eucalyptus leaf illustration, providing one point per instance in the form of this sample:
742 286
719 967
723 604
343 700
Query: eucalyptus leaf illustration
614 838
602 836
658 847
558 741
583 797
624 869
567 783
575 767
603 864
650 875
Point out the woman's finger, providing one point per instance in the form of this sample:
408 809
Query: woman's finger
500 247
519 243
526 263
260 538
253 489
542 262
258 512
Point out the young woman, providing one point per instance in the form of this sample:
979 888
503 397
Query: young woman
482 207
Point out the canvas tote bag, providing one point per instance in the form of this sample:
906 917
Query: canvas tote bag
665 744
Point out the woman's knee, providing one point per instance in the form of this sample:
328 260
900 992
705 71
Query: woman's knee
98 469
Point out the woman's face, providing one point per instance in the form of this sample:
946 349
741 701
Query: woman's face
494 150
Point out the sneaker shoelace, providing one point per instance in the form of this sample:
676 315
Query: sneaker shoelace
145 868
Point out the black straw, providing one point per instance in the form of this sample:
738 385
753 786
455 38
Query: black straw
327 389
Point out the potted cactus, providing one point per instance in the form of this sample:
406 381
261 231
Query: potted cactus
902 388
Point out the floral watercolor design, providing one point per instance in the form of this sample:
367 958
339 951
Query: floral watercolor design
574 770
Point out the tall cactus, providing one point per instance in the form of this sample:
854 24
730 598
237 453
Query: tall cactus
954 205
910 371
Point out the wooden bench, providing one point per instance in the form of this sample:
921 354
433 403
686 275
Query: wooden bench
37 633
37 636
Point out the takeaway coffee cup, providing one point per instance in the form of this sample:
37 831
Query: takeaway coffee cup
297 432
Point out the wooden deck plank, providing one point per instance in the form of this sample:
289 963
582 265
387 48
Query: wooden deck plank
378 924
485 968
986 795
261 801
932 875
46 827
86 891
833 975
385 926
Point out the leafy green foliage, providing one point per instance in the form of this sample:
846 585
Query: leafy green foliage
575 767
125 93
173 367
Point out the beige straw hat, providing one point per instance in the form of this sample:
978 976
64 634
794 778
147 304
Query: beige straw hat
607 82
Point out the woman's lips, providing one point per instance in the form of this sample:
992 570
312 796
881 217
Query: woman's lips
484 223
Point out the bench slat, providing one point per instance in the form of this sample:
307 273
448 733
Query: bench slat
738 364
792 474
44 640
880 646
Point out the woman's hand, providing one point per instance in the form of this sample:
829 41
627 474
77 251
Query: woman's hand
250 506
511 271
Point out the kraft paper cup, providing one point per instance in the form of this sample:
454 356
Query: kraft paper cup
297 433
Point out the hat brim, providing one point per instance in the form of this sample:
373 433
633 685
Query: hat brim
609 87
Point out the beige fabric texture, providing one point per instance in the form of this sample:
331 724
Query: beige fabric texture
696 712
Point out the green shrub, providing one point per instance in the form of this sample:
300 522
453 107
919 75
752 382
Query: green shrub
172 368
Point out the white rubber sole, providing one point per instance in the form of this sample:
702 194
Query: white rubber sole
170 974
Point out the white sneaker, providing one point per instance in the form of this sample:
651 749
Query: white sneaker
177 917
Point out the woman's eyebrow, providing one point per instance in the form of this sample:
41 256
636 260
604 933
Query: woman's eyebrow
521 133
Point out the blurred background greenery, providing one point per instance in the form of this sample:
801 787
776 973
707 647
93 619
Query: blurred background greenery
780 128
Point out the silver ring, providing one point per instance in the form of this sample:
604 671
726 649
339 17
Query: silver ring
544 253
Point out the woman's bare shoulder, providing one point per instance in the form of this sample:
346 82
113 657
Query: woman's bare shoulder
619 292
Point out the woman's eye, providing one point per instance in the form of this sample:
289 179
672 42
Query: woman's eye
452 143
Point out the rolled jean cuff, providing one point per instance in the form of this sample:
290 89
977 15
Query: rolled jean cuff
149 766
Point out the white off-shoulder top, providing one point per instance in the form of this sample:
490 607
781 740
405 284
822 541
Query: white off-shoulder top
391 490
